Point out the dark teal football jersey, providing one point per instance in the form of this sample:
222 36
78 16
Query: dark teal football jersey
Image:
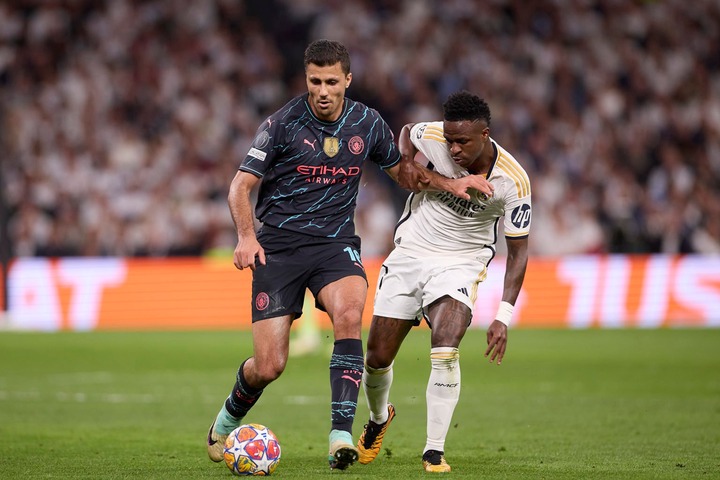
310 169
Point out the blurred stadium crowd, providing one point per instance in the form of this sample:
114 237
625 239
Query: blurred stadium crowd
123 122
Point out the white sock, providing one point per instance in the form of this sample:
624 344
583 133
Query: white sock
443 392
377 382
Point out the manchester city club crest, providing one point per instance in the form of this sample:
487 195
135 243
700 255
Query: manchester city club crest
331 146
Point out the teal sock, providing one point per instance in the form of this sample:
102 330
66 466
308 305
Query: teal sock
226 423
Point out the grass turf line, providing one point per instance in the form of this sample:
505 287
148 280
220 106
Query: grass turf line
565 404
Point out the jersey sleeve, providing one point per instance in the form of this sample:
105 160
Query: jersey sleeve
429 139
385 152
518 215
267 143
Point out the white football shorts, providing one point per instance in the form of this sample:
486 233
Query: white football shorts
407 285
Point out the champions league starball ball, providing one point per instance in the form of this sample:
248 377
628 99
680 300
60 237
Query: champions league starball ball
252 449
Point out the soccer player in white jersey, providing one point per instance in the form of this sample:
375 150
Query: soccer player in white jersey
443 246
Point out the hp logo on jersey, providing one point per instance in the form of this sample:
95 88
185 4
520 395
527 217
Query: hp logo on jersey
521 216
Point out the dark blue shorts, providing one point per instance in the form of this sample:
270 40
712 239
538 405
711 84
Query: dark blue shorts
295 262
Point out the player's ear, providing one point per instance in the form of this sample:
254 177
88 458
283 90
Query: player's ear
348 79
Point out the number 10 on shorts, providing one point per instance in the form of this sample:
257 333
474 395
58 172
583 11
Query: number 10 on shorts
354 256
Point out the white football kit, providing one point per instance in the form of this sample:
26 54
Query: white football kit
443 243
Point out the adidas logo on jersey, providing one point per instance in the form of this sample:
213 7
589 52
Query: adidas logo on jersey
463 291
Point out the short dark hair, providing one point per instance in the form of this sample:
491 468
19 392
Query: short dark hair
463 105
325 53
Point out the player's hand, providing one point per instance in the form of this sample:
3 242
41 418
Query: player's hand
460 186
497 341
246 251
412 176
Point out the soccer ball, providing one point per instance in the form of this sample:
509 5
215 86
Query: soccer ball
252 449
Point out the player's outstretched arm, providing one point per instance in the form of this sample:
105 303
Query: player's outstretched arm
408 173
413 176
461 187
514 276
241 211
515 267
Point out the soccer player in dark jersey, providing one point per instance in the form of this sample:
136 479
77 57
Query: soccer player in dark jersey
307 157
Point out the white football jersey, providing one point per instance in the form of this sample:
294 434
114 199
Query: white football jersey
439 223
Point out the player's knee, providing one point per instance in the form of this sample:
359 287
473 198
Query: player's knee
446 341
269 371
449 333
348 323
377 359
350 314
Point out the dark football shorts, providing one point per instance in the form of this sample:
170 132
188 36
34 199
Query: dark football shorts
295 262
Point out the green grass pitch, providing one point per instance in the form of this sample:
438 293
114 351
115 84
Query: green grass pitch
565 404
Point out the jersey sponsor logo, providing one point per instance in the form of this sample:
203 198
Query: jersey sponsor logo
327 174
464 291
261 139
521 216
262 301
259 154
308 142
356 145
331 146
465 208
